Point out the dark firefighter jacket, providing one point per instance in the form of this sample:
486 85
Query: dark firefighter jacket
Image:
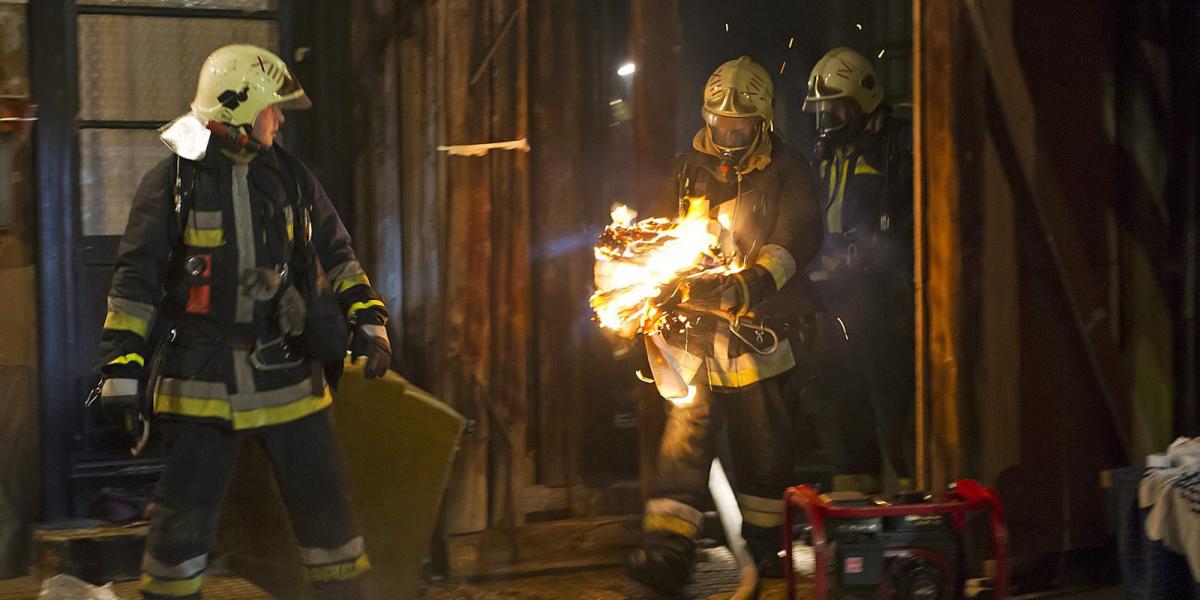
185 272
866 196
776 222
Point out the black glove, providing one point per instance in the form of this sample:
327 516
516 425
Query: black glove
120 389
120 395
736 293
370 340
709 293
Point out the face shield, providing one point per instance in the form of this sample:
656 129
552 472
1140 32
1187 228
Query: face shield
835 117
732 134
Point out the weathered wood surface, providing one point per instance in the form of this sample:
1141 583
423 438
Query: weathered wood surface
20 408
937 262
1085 291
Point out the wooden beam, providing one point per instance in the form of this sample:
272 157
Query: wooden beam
1084 289
654 46
937 242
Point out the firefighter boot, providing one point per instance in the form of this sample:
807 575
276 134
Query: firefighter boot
663 563
763 545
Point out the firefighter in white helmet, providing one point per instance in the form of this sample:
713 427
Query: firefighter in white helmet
749 332
865 271
234 294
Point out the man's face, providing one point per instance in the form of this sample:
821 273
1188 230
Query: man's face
267 124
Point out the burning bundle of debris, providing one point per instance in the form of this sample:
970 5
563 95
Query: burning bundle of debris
641 265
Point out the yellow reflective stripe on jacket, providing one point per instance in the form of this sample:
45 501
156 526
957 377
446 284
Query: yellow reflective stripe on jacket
347 275
862 168
761 512
203 238
357 306
669 523
128 315
132 357
343 571
171 587
222 408
746 369
778 261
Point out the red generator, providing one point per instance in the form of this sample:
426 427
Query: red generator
914 547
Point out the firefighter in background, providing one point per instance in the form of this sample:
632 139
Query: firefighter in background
750 367
233 247
865 270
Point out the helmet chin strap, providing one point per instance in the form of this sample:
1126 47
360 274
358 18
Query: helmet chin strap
233 138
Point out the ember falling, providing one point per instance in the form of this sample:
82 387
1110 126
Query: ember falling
640 265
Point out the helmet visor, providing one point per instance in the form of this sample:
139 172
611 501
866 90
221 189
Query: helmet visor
732 133
832 115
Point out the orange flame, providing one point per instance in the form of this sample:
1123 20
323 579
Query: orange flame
639 266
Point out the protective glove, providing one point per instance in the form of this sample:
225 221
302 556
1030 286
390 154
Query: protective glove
370 341
736 293
709 293
119 393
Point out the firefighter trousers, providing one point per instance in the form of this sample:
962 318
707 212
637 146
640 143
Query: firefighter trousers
307 466
767 429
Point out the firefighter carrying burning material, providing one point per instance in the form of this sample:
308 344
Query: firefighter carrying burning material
743 342
865 271
235 255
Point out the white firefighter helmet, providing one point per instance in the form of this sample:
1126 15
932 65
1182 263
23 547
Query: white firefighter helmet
843 73
737 103
237 82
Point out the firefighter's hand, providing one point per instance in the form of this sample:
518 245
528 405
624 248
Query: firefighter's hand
370 342
120 399
709 293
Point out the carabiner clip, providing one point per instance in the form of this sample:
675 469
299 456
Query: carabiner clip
262 366
735 325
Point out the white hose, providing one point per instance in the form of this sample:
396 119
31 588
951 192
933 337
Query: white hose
731 522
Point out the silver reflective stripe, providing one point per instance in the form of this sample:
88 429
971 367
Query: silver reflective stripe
184 570
125 306
243 371
760 504
779 262
349 268
325 556
675 508
243 221
191 388
268 398
207 219
375 331
113 388
215 390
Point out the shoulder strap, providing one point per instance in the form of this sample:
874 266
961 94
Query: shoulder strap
184 176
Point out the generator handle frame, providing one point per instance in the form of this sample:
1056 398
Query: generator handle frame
964 496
